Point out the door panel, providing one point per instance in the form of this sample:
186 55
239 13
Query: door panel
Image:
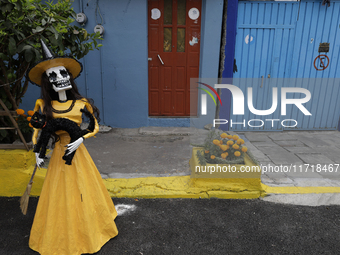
263 52
282 39
174 43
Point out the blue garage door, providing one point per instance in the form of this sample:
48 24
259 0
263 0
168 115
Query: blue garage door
278 45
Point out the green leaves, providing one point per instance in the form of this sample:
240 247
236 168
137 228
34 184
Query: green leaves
27 21
22 24
54 31
8 7
29 55
3 133
60 18
12 47
3 57
37 29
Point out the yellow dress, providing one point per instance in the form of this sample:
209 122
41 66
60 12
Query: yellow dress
75 213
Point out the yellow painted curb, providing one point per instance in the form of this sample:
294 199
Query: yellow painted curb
16 168
16 159
178 187
227 177
243 172
13 182
299 190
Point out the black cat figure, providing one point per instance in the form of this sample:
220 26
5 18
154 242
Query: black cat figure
50 127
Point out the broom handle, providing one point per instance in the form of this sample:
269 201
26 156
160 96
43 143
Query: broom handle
35 169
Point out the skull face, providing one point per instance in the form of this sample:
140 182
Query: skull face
59 78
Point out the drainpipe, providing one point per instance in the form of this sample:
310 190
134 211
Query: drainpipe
229 50
101 83
222 55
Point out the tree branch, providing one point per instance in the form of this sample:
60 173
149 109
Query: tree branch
24 89
10 98
46 26
21 74
3 68
4 123
7 88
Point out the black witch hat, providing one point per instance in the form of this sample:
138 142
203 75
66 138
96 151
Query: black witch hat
49 61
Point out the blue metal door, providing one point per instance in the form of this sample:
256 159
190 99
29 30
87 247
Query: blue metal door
277 45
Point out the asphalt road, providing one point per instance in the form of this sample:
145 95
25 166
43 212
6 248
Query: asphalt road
197 226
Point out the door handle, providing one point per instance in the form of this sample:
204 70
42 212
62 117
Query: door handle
160 59
262 80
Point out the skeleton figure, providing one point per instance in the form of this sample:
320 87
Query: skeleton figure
60 80
75 213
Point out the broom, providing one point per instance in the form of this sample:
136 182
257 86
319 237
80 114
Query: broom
26 196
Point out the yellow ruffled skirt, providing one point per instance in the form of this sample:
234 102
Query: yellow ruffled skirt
75 213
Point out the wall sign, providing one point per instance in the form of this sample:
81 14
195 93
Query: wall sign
324 47
194 13
249 39
155 13
321 62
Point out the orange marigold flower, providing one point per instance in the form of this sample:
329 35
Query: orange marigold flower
30 125
216 142
206 151
224 135
20 111
244 149
235 146
223 155
229 136
237 153
230 142
212 156
224 147
235 137
240 141
30 113
221 141
28 118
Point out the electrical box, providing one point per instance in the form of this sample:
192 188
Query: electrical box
100 29
81 18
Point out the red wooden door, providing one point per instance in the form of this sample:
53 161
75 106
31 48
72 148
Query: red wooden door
174 46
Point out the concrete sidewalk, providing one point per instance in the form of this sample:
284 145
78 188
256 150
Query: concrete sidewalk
310 155
144 152
153 162
298 159
160 151
290 159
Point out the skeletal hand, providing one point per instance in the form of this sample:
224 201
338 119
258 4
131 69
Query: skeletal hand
39 161
71 147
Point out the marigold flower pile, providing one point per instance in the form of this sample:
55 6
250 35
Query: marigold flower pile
23 116
226 147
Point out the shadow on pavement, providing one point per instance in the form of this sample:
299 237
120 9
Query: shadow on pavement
197 226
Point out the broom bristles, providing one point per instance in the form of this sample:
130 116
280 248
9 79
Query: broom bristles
25 198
